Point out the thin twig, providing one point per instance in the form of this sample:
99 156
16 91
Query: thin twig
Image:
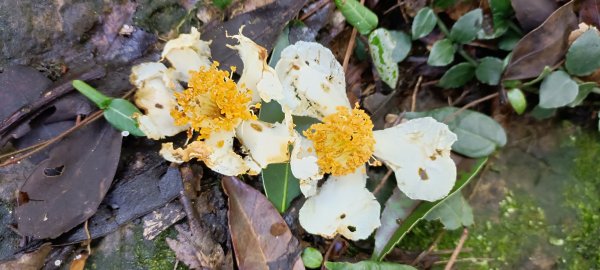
329 250
382 182
461 242
88 242
469 105
413 104
350 47
430 249
315 9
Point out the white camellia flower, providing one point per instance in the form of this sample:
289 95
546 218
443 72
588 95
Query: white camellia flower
213 106
342 206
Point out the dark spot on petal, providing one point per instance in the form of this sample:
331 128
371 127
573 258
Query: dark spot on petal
296 67
262 54
307 63
343 216
351 228
256 127
278 229
432 157
158 105
423 174
53 172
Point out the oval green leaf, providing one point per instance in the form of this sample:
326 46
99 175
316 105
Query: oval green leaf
583 56
457 75
119 114
455 212
359 16
442 53
557 90
489 70
584 90
367 265
423 23
392 232
312 258
467 27
387 49
517 100
478 134
281 187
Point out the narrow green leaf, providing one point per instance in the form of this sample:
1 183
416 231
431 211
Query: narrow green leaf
422 209
557 90
119 114
281 187
92 94
467 27
387 49
489 70
312 258
584 90
367 265
517 100
457 75
359 16
282 41
455 212
478 134
442 53
423 23
583 56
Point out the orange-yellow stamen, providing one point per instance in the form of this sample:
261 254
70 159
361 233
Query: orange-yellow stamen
212 102
344 141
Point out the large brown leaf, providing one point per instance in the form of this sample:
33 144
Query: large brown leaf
589 12
261 239
531 14
67 188
544 46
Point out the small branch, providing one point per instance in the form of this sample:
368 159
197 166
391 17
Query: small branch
430 249
471 104
442 26
350 47
461 242
413 103
329 250
315 9
383 181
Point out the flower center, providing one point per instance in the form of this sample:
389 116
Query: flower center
212 102
344 141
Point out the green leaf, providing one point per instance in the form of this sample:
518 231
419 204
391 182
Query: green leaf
442 53
283 40
387 49
222 4
92 94
311 257
467 27
584 90
420 211
489 70
517 100
540 113
367 265
557 90
397 207
457 75
454 212
119 114
478 134
281 187
501 14
423 23
508 41
583 56
359 16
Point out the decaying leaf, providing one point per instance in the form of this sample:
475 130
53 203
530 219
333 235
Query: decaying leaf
20 85
544 46
589 12
531 14
197 251
28 261
67 188
261 239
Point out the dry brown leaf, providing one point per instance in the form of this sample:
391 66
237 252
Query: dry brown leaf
28 261
531 14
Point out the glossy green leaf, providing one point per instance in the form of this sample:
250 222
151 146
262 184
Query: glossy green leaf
92 94
442 53
478 134
119 114
501 14
423 23
584 90
489 70
583 56
367 265
508 41
467 27
281 187
359 16
403 226
283 40
396 208
312 258
557 90
517 100
387 49
455 212
457 75
540 113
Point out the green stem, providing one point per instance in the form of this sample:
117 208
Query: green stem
547 70
467 57
91 93
442 26
515 28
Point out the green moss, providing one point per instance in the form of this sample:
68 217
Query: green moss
159 16
156 254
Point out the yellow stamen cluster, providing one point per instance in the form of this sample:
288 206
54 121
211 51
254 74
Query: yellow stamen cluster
212 102
344 141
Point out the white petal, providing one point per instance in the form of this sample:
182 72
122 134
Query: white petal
187 53
419 153
303 163
342 206
216 152
268 143
155 96
313 80
257 75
